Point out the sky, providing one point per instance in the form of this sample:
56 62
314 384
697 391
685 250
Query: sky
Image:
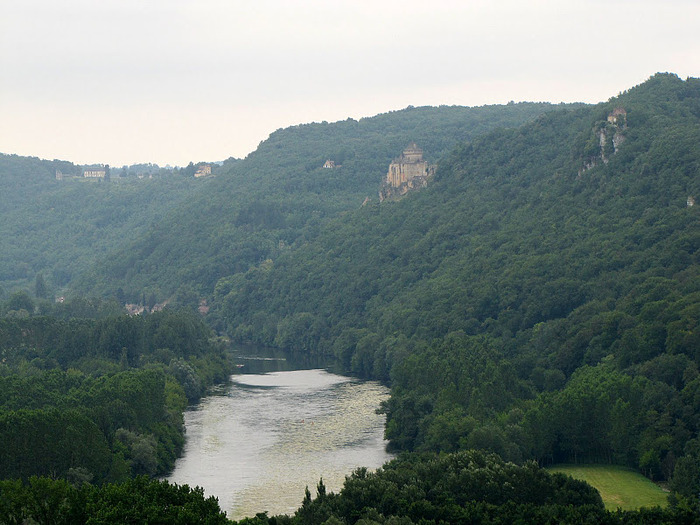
172 81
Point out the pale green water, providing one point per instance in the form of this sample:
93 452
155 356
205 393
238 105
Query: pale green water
257 444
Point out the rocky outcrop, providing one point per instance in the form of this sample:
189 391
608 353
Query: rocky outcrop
608 137
388 192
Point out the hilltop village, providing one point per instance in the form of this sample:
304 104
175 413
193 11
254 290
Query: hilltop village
140 171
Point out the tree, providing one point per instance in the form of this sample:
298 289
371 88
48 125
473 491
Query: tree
40 289
142 500
187 296
20 301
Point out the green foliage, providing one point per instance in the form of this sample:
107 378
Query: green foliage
466 487
51 231
100 399
40 288
470 487
277 198
539 299
140 500
20 301
131 341
48 441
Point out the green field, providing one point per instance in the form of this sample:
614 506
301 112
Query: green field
618 486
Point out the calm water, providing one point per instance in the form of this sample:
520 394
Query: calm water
257 443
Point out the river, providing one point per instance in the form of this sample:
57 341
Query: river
277 428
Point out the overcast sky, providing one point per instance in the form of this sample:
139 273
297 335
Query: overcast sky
174 81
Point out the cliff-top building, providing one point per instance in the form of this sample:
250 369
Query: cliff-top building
405 173
203 171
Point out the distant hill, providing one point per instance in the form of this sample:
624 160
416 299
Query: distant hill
57 228
280 195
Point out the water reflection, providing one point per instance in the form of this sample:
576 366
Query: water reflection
259 442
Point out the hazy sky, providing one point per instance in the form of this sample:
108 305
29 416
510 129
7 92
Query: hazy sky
173 81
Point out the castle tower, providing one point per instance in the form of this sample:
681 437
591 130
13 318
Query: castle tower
412 154
407 172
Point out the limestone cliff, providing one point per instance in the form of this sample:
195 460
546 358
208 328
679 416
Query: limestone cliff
608 136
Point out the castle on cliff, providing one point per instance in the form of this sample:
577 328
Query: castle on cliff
407 172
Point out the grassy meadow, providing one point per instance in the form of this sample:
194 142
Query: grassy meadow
618 486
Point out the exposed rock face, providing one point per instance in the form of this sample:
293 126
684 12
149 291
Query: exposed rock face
618 138
406 173
610 136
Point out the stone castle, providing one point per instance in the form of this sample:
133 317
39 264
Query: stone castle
407 172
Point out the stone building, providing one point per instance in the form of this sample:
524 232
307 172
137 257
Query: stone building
203 171
407 172
94 173
618 116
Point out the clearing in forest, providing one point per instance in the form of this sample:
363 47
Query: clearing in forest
618 486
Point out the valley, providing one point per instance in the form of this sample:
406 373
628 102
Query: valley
528 291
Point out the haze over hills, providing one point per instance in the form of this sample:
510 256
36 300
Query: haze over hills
539 299
547 278
59 228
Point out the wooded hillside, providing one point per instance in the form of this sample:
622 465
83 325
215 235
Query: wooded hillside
57 229
540 299
280 196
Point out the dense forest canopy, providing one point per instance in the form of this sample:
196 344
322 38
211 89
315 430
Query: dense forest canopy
466 487
99 399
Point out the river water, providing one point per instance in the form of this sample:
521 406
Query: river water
258 442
